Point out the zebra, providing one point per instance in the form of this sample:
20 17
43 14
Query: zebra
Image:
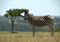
40 21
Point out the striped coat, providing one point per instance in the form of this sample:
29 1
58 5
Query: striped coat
40 21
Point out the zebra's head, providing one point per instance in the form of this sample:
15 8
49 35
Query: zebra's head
27 15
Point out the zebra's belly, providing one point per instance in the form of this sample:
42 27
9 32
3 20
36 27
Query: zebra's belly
39 23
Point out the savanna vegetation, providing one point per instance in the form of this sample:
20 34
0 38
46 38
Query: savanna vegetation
7 35
27 37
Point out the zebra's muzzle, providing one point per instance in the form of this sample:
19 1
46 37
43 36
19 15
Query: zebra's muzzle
25 19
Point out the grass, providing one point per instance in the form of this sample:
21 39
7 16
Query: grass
27 37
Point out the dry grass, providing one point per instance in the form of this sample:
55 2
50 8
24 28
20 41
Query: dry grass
27 37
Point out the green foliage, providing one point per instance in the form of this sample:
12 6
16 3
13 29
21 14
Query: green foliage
57 29
6 15
15 12
24 10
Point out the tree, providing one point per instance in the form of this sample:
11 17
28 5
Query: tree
13 14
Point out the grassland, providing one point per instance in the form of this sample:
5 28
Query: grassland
27 37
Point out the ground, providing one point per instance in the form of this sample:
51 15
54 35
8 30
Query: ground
27 37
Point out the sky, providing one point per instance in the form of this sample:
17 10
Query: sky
36 7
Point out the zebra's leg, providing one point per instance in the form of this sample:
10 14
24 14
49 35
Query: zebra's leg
51 30
33 28
33 32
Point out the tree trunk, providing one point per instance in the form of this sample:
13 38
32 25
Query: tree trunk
12 26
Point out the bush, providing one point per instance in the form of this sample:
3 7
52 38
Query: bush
57 29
